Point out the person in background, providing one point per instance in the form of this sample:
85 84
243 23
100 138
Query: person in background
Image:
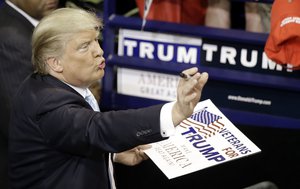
17 21
176 11
94 5
257 15
58 137
282 45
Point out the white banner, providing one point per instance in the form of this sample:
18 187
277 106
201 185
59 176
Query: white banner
158 46
147 84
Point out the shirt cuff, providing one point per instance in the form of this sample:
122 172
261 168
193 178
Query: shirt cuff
167 127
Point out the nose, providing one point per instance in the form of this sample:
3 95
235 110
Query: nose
97 49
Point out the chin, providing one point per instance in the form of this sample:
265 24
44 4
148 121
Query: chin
101 74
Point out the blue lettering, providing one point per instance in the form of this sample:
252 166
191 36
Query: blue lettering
204 148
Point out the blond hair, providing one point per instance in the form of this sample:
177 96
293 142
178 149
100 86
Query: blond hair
53 32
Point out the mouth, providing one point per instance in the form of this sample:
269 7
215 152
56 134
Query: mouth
101 65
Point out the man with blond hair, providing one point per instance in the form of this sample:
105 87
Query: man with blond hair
58 138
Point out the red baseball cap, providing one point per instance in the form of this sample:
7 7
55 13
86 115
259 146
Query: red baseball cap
283 43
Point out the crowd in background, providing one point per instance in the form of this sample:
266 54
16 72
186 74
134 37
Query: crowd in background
255 16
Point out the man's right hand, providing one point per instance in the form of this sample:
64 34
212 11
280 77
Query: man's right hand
189 92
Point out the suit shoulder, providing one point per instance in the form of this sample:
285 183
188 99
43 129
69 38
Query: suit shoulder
44 95
13 24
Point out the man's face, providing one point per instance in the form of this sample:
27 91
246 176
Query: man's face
37 8
83 62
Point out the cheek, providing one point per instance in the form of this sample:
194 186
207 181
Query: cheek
85 68
80 64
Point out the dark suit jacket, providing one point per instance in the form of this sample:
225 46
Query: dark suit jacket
4 122
57 141
15 65
15 48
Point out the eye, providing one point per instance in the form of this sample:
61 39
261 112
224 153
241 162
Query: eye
84 46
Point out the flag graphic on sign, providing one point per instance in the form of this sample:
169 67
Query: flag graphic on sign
205 122
205 117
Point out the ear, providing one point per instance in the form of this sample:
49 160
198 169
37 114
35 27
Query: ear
55 65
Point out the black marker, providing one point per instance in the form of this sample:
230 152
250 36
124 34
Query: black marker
185 76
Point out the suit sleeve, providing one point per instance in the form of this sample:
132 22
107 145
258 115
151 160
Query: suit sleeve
79 130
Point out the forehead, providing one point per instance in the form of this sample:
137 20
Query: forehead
84 36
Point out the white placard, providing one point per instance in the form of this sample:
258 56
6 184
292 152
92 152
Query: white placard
147 84
205 139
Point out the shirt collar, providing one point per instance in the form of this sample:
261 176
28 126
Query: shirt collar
33 21
84 92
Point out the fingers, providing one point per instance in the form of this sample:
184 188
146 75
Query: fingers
140 151
144 147
191 71
193 85
189 83
143 155
202 81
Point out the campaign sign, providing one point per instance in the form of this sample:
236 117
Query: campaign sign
146 84
205 139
